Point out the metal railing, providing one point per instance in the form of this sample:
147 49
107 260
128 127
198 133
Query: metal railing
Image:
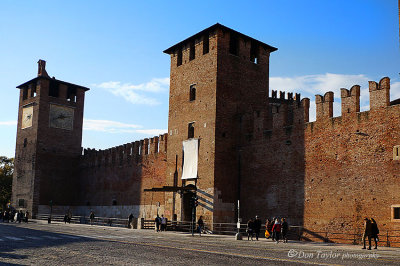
386 238
104 221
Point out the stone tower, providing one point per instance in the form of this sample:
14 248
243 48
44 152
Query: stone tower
218 76
48 147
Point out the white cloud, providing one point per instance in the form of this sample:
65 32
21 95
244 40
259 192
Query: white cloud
136 93
395 91
310 85
8 123
152 132
317 84
108 126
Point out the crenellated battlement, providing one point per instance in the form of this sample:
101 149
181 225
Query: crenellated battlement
350 100
288 110
379 94
324 105
125 153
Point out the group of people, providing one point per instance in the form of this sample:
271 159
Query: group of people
371 231
14 216
253 228
275 229
161 223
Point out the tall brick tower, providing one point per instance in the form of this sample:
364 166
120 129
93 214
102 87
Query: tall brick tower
217 76
48 144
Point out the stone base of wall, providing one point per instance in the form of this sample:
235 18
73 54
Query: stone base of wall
99 211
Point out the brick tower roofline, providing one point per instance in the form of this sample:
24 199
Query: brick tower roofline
171 49
41 75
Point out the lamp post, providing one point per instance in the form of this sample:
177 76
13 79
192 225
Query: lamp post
51 211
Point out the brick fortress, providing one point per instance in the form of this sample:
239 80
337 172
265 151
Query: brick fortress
252 146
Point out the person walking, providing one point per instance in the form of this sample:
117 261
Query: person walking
163 223
285 229
367 232
250 229
26 217
20 216
91 217
200 225
157 222
257 226
276 230
130 220
268 226
374 232
65 218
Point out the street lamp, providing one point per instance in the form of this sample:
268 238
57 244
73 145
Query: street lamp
51 211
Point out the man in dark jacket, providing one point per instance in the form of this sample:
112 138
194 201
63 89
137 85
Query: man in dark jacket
284 230
374 232
250 229
257 226
367 232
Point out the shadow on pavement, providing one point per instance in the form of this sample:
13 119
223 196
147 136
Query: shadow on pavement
31 238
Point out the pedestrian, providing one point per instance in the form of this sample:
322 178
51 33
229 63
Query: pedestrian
268 227
6 217
367 232
163 223
285 229
20 216
250 229
276 230
91 217
200 224
257 226
65 218
26 216
375 232
16 214
130 220
157 222
272 225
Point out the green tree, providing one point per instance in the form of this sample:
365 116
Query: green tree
6 173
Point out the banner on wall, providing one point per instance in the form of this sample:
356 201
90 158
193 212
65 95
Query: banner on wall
190 158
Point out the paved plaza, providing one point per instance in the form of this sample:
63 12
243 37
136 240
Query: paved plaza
39 243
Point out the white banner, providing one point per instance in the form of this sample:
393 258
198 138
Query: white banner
191 158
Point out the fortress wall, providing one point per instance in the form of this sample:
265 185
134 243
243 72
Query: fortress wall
330 174
119 175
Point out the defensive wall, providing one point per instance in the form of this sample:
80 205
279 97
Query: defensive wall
112 181
330 174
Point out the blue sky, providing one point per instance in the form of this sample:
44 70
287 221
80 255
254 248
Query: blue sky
115 48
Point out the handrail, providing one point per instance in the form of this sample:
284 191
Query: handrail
296 232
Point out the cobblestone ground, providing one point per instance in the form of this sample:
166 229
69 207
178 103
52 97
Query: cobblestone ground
60 244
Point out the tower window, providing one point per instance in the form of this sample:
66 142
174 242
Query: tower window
192 54
33 90
191 130
53 89
254 53
71 93
21 203
192 93
234 44
396 152
206 44
179 59
24 93
396 212
25 142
